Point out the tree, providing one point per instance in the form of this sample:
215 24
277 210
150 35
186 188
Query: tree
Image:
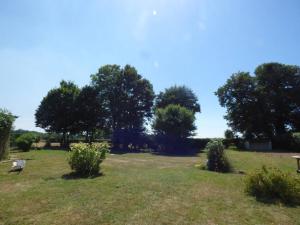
174 121
172 125
56 112
127 97
6 122
178 95
229 134
90 113
264 105
245 113
279 84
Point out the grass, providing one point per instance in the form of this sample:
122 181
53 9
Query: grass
138 189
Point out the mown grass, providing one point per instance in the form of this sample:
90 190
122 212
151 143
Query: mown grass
138 189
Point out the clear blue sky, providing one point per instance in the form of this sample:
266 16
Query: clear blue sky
198 43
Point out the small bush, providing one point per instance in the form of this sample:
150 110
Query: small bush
85 158
24 142
216 158
271 184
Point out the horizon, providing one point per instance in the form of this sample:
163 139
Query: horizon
199 44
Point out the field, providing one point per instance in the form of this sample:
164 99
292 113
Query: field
138 188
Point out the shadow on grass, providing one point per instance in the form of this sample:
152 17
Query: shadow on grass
184 153
276 201
265 151
118 151
75 176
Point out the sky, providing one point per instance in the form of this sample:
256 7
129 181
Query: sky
197 43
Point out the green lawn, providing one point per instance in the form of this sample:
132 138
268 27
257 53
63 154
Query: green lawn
138 189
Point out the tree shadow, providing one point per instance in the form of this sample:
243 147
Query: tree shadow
178 153
276 201
75 176
121 152
18 171
282 151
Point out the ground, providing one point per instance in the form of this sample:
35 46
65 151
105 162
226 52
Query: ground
138 188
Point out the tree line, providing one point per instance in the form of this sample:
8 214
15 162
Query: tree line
120 103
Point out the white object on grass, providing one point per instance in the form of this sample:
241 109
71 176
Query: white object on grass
18 165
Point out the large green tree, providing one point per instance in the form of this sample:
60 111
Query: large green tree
128 97
172 126
174 121
279 84
178 95
245 113
56 112
264 105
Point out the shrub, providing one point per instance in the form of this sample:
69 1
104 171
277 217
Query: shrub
85 158
6 121
24 142
269 184
216 158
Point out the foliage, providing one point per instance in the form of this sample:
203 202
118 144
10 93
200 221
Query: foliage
230 138
17 133
198 143
244 112
296 141
24 141
56 111
90 112
128 97
216 158
85 158
269 184
178 95
279 85
229 134
264 105
174 121
6 121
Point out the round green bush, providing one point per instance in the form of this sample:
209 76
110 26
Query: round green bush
216 158
24 142
271 184
85 159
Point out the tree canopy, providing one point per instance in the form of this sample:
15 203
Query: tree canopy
56 111
90 113
264 105
279 86
228 134
178 95
174 121
128 97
